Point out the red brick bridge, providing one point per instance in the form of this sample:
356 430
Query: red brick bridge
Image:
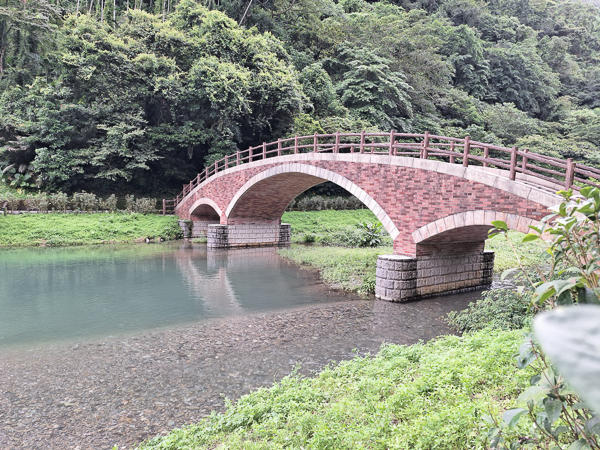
436 196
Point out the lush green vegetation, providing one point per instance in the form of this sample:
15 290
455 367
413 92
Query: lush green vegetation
344 266
500 309
507 251
420 397
355 228
80 229
142 95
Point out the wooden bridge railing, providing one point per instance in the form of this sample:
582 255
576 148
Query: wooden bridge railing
424 146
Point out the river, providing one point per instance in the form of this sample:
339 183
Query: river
104 346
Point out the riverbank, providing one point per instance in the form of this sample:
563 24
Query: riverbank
353 269
54 229
123 390
418 397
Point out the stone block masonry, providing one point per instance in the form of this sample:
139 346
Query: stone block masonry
403 278
249 235
198 227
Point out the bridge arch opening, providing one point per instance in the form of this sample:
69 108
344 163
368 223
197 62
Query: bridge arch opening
265 197
205 210
467 227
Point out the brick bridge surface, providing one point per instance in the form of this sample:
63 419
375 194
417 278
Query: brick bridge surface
437 213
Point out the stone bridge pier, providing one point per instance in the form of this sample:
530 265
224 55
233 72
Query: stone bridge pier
438 214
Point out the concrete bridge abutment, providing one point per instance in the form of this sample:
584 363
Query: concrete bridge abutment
249 235
404 278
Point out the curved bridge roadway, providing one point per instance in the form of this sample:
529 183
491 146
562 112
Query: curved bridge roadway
436 196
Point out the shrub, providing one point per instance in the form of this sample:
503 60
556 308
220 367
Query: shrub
145 205
108 204
85 201
371 234
130 203
38 202
11 201
319 203
59 201
308 238
500 309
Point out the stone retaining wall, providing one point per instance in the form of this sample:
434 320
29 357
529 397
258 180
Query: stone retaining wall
249 235
402 278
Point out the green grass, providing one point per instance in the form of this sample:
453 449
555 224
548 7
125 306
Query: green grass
424 396
352 269
325 226
325 221
80 229
529 252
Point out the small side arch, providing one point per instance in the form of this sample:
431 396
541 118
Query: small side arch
313 175
205 208
469 226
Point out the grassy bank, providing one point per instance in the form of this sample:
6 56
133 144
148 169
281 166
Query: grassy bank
330 227
422 396
81 229
353 269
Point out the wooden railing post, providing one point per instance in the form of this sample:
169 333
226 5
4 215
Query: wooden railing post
249 154
216 167
570 175
226 162
362 141
525 160
466 151
513 163
264 150
315 141
279 147
392 139
336 148
295 144
452 150
164 207
486 155
206 173
425 148
237 158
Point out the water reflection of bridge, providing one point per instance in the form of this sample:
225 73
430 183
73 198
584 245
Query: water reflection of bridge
217 277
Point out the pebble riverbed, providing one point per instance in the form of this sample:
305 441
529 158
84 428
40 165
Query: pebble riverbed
123 390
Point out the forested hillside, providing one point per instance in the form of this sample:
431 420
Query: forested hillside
140 95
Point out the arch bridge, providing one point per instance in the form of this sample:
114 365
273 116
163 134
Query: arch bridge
435 195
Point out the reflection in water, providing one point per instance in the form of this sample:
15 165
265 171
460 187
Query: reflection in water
54 294
121 390
211 287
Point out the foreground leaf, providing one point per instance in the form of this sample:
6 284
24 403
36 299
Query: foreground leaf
571 338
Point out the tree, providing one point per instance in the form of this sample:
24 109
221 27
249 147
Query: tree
371 90
176 91
519 76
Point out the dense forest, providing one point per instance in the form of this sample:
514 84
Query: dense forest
138 95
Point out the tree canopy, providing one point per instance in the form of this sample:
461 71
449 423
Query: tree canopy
142 96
